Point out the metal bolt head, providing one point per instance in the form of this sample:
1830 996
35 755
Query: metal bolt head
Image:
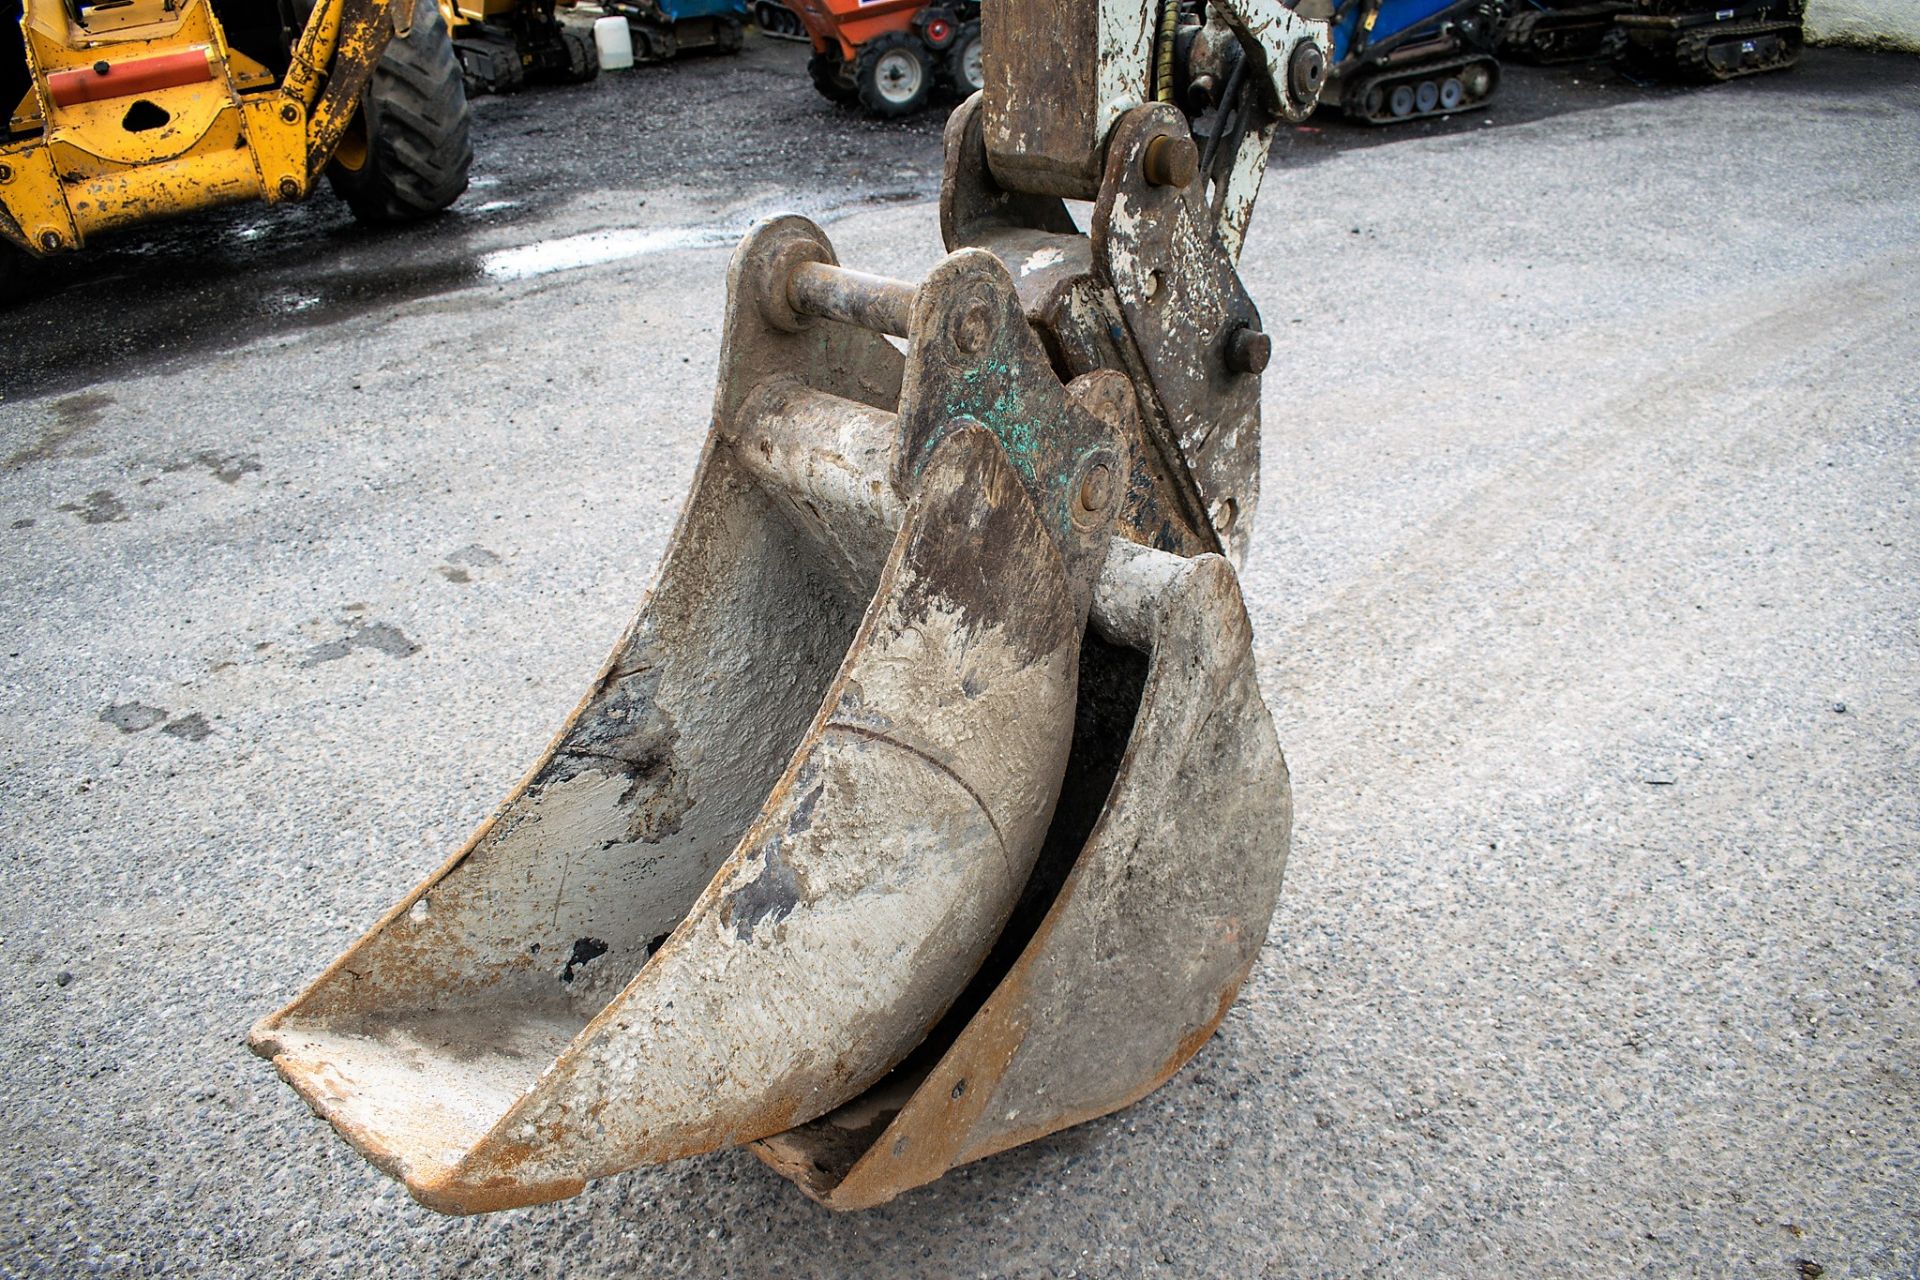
101 67
1248 350
6 173
773 265
1306 73
289 189
1096 491
50 241
289 113
1225 513
1170 161
1096 487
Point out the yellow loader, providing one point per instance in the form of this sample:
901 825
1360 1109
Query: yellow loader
122 111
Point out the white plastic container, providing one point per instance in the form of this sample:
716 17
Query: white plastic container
614 41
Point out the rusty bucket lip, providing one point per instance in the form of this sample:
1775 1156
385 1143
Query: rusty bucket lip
440 1187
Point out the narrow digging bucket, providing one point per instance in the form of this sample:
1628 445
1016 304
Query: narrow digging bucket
754 869
418 1041
778 847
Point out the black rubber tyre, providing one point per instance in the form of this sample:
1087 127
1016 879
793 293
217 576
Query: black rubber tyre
964 70
407 152
10 275
894 74
830 77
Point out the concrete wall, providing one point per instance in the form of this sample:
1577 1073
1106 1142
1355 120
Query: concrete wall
1886 24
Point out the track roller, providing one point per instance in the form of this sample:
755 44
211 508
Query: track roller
1460 84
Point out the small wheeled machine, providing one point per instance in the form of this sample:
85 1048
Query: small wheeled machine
889 56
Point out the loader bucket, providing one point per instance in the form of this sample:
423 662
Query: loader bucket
910 754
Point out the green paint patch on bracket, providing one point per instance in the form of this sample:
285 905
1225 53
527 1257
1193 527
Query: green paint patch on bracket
1005 415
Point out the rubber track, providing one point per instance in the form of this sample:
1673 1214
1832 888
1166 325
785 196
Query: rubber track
1353 100
1521 35
1690 50
1516 33
778 21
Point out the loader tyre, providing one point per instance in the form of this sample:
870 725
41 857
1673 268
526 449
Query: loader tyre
894 74
964 70
829 77
406 154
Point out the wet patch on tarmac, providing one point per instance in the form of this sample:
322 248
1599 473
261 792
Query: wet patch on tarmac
461 565
138 717
226 468
596 248
381 637
73 416
192 727
133 717
100 507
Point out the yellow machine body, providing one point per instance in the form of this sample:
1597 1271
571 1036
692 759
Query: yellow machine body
458 13
120 124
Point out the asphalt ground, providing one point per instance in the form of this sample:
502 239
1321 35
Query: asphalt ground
705 142
1584 588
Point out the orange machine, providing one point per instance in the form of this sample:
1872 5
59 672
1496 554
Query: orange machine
889 55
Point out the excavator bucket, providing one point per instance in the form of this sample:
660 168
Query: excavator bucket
1156 884
928 806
